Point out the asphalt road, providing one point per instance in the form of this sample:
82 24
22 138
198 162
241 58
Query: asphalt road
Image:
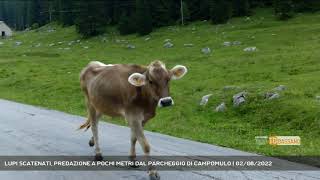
29 130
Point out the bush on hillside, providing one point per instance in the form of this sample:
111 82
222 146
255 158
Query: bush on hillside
126 24
241 8
283 9
220 11
143 17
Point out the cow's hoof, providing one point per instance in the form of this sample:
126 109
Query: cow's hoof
154 175
135 166
91 142
98 157
133 159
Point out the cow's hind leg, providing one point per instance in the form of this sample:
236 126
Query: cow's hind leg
94 141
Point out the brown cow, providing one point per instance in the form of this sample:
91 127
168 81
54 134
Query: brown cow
129 91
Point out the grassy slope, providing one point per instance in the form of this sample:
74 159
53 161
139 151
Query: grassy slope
288 54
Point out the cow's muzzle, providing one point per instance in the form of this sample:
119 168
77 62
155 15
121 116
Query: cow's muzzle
166 101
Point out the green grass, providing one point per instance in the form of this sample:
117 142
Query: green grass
288 54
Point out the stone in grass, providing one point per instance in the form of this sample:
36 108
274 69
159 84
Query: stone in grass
239 99
206 50
85 47
168 45
271 96
18 43
226 88
188 45
205 99
318 98
250 49
227 43
280 88
236 43
1 43
147 38
167 40
130 46
70 43
38 45
221 108
52 44
104 39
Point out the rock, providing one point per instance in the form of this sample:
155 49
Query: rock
247 19
18 43
130 46
147 38
226 88
168 45
104 39
239 99
318 98
227 43
70 43
221 108
250 49
280 88
271 96
52 44
78 40
206 50
38 45
236 43
1 43
85 47
167 40
205 99
60 42
188 45
51 30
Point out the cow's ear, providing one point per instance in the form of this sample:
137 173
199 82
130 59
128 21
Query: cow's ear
137 79
178 72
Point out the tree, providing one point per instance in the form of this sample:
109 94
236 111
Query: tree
306 5
126 24
283 9
241 8
143 17
220 11
66 12
91 21
204 9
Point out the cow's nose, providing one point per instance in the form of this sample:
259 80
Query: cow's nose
164 102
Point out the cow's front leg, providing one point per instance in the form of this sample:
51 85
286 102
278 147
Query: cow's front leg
137 129
133 154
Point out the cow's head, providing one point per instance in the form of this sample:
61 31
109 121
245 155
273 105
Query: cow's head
156 81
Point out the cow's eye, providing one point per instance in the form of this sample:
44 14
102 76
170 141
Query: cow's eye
150 82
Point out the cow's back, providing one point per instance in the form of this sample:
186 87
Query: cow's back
107 86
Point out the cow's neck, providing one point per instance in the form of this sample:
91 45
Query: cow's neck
146 102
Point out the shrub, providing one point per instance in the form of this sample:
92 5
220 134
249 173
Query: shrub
283 9
220 11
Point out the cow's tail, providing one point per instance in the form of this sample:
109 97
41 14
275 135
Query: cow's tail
86 125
